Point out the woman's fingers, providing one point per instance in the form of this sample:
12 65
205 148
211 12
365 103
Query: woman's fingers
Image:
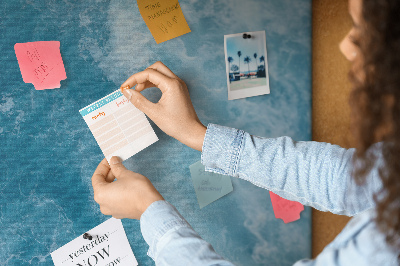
110 177
159 80
142 86
100 174
141 102
160 67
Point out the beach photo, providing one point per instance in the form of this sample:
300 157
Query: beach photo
246 64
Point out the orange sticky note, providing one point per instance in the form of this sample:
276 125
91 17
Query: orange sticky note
164 18
41 64
284 209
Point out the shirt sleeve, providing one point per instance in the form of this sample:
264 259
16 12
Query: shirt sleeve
172 241
312 173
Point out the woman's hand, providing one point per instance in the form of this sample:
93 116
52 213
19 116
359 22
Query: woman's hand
127 197
173 113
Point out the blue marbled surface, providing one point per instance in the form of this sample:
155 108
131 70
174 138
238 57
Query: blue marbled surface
48 153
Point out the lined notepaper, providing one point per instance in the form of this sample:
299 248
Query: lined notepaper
119 128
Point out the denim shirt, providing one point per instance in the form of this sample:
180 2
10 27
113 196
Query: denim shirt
312 173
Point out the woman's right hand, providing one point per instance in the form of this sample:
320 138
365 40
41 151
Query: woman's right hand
173 113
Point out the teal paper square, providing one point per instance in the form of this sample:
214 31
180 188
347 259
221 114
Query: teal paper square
209 186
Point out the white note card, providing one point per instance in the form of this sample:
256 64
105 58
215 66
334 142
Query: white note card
118 126
108 247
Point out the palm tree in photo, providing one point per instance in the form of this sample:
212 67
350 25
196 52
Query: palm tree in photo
247 60
262 59
239 55
230 60
234 68
255 60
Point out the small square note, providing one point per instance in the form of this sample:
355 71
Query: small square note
118 126
41 64
209 186
164 18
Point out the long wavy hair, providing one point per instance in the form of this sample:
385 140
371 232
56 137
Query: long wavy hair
375 103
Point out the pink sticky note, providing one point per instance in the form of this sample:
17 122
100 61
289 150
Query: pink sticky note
41 64
284 209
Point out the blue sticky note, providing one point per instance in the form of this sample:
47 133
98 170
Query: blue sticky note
209 186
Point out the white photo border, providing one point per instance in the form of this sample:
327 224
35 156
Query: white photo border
248 92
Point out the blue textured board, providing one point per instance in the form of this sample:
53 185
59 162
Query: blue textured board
48 154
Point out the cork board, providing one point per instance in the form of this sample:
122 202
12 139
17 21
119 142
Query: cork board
331 89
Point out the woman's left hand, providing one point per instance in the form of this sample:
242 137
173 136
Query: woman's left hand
127 197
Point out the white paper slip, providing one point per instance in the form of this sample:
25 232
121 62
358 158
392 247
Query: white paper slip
109 246
118 126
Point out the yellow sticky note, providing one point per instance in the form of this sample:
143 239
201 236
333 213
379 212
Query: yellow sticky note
164 18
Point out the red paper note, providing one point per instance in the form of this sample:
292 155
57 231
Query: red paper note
41 64
284 209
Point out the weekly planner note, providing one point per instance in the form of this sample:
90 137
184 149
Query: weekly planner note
118 126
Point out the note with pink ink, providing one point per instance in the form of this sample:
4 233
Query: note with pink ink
41 64
287 210
118 126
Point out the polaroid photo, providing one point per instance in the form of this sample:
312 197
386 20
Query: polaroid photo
246 64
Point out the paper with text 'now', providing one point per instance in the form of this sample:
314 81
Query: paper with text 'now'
164 18
119 128
41 64
108 246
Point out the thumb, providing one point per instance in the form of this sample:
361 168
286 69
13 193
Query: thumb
117 167
138 100
100 174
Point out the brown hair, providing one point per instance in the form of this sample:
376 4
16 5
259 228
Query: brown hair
375 101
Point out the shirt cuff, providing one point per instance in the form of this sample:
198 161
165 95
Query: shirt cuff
221 151
158 219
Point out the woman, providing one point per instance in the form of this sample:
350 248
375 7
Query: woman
316 174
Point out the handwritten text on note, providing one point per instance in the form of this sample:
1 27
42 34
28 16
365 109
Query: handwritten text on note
41 64
209 186
164 18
